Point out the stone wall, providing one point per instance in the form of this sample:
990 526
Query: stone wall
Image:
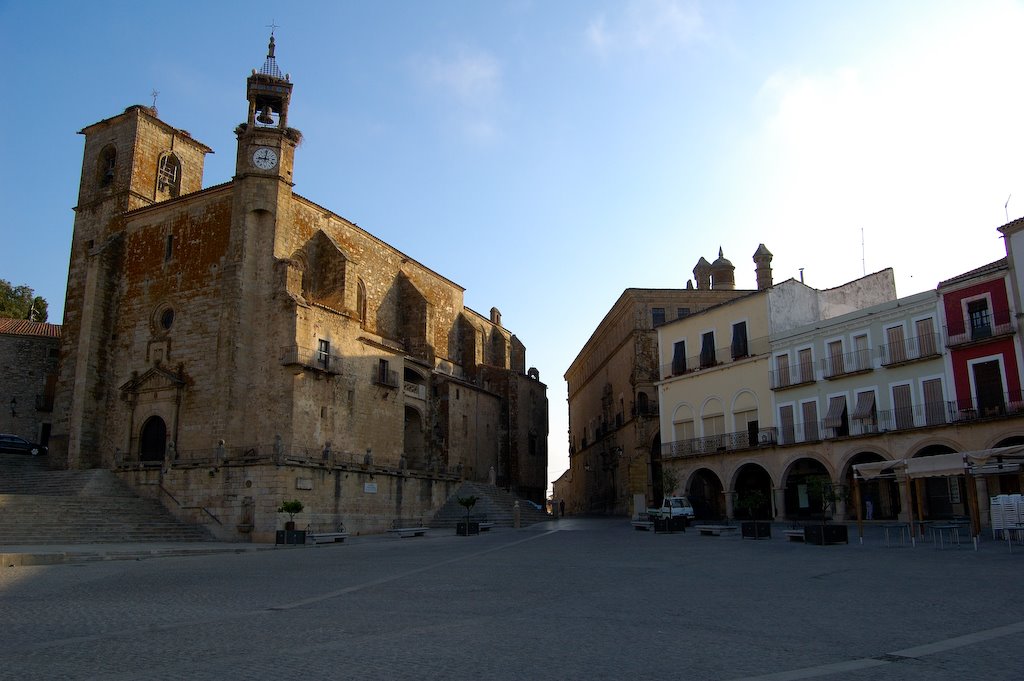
28 364
238 502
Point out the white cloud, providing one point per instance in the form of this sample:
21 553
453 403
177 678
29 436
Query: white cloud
647 25
916 145
469 88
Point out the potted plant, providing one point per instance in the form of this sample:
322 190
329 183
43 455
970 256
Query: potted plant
824 495
464 529
291 508
753 501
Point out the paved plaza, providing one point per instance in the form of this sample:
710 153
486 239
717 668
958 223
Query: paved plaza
568 599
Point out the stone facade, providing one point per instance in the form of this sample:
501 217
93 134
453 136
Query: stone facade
28 364
244 325
614 438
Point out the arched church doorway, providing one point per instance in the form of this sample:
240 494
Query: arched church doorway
153 439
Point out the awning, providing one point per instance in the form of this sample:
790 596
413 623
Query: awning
865 406
834 417
938 466
877 469
941 465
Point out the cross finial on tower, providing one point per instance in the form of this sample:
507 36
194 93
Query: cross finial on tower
155 92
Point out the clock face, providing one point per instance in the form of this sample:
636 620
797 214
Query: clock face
264 158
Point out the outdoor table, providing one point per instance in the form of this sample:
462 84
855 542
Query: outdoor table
938 533
904 530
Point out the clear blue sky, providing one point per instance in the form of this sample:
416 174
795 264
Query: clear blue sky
548 155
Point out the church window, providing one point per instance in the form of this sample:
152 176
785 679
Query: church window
107 163
323 354
169 248
658 315
168 176
166 319
361 302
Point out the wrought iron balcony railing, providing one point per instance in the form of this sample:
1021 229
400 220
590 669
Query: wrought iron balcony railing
910 350
994 324
712 444
846 364
311 359
800 374
709 359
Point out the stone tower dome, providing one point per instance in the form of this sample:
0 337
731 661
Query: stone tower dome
702 273
723 274
763 267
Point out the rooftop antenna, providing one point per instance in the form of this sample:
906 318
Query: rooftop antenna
863 262
1006 209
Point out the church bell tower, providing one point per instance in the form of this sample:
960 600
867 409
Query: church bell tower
266 145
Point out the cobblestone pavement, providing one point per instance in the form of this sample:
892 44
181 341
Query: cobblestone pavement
572 599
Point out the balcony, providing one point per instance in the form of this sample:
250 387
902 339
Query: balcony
981 328
386 377
308 358
790 377
909 350
714 444
708 360
848 364
415 390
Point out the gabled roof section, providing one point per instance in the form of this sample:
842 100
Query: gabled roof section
156 378
23 327
990 268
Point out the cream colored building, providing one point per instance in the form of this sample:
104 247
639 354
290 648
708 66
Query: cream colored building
716 396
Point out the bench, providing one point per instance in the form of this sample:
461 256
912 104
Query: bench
325 528
794 534
408 527
716 530
325 537
481 520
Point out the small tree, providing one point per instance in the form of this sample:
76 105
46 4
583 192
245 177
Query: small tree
291 508
752 501
824 495
669 482
468 502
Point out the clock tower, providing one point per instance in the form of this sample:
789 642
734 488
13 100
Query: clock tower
266 145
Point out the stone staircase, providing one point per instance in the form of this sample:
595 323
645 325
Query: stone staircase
39 506
495 503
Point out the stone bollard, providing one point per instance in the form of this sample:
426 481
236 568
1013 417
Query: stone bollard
515 514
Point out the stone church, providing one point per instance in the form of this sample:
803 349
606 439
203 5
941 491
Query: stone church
232 347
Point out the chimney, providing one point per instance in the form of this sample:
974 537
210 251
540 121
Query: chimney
763 267
702 273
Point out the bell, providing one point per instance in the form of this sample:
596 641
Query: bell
265 118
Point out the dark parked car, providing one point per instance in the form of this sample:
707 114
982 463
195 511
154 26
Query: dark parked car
19 445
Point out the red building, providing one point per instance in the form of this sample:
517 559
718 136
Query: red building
981 336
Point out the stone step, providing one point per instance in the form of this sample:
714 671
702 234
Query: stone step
75 507
495 503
